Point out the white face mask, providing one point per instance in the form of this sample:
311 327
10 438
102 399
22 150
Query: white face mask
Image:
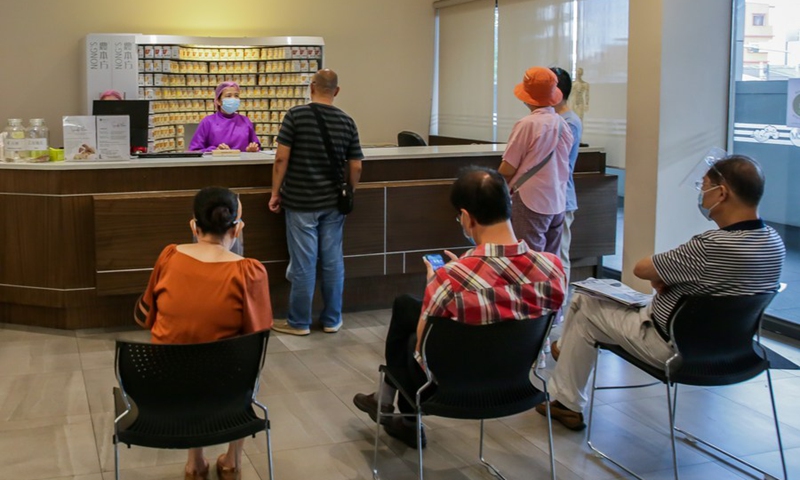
706 212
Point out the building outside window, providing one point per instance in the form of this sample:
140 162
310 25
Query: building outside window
765 57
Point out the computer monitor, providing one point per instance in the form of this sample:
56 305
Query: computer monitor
137 110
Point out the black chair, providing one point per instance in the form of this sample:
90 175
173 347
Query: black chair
410 139
189 396
474 372
713 337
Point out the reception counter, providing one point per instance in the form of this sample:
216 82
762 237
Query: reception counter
80 239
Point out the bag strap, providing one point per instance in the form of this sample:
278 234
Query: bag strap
533 171
336 174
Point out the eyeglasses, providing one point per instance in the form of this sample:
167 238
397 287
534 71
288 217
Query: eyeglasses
698 185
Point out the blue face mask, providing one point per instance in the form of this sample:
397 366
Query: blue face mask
706 212
230 105
469 239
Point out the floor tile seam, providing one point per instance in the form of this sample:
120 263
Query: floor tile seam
92 424
710 460
767 417
318 377
680 439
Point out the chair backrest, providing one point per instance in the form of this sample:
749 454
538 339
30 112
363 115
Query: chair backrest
201 377
410 139
717 328
490 357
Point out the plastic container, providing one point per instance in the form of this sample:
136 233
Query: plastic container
56 154
15 145
37 137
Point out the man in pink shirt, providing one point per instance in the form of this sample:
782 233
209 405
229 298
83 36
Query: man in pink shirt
536 163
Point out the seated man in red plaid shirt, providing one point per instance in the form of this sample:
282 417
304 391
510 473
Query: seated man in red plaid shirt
500 279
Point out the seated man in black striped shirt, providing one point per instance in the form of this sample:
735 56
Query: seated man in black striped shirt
742 257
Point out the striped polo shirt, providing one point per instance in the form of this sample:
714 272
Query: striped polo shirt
308 184
741 259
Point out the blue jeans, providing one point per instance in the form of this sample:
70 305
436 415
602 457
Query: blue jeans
313 236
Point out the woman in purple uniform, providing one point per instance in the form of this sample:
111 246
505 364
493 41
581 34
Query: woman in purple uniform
226 129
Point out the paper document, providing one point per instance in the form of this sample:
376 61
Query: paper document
613 290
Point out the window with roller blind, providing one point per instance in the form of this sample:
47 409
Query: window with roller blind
465 71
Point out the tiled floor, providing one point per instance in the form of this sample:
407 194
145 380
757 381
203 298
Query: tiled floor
56 418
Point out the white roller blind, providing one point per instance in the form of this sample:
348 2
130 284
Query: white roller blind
531 33
466 70
602 53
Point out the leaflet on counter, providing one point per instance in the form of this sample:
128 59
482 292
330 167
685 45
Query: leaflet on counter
80 137
613 290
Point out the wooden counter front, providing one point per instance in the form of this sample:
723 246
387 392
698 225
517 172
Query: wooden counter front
79 244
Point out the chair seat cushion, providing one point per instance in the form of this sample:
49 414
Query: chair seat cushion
163 430
489 403
726 371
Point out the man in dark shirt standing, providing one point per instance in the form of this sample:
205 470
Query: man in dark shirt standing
303 186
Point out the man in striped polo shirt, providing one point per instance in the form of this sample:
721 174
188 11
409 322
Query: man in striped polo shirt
501 279
303 185
743 257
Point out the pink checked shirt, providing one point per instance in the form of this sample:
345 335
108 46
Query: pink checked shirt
493 282
531 140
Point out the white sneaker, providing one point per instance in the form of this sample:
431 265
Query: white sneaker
284 327
334 328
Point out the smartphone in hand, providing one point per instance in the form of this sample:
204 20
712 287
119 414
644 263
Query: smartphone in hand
435 260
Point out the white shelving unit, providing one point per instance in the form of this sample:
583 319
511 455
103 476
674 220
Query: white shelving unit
178 76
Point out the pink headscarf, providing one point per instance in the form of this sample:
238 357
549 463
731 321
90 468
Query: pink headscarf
222 86
111 93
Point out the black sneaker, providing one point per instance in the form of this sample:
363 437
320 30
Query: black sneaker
398 429
369 404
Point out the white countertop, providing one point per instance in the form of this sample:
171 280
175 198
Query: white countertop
266 157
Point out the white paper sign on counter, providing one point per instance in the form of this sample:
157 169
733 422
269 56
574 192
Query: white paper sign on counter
80 137
114 137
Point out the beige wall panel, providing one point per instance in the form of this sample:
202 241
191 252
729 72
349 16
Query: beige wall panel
383 51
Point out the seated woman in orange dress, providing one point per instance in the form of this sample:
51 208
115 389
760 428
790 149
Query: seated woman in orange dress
201 292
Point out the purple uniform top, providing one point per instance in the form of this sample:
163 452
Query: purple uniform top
235 130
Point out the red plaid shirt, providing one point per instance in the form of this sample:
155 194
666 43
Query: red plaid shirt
492 282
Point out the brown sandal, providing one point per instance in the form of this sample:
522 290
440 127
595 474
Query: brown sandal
227 473
196 475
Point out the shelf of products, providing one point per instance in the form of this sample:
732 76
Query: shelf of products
179 80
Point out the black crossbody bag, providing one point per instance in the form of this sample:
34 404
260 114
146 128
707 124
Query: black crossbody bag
344 191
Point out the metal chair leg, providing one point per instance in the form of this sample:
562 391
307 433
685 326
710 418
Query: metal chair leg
116 460
591 415
375 475
269 450
419 441
549 425
486 464
591 401
671 411
730 455
550 439
777 425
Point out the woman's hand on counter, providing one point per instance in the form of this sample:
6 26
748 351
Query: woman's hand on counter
253 147
223 146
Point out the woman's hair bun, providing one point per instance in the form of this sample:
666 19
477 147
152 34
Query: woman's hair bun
215 210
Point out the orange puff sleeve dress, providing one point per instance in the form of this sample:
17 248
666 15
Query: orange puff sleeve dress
189 301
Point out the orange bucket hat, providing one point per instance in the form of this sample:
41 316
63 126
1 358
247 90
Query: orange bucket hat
539 88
